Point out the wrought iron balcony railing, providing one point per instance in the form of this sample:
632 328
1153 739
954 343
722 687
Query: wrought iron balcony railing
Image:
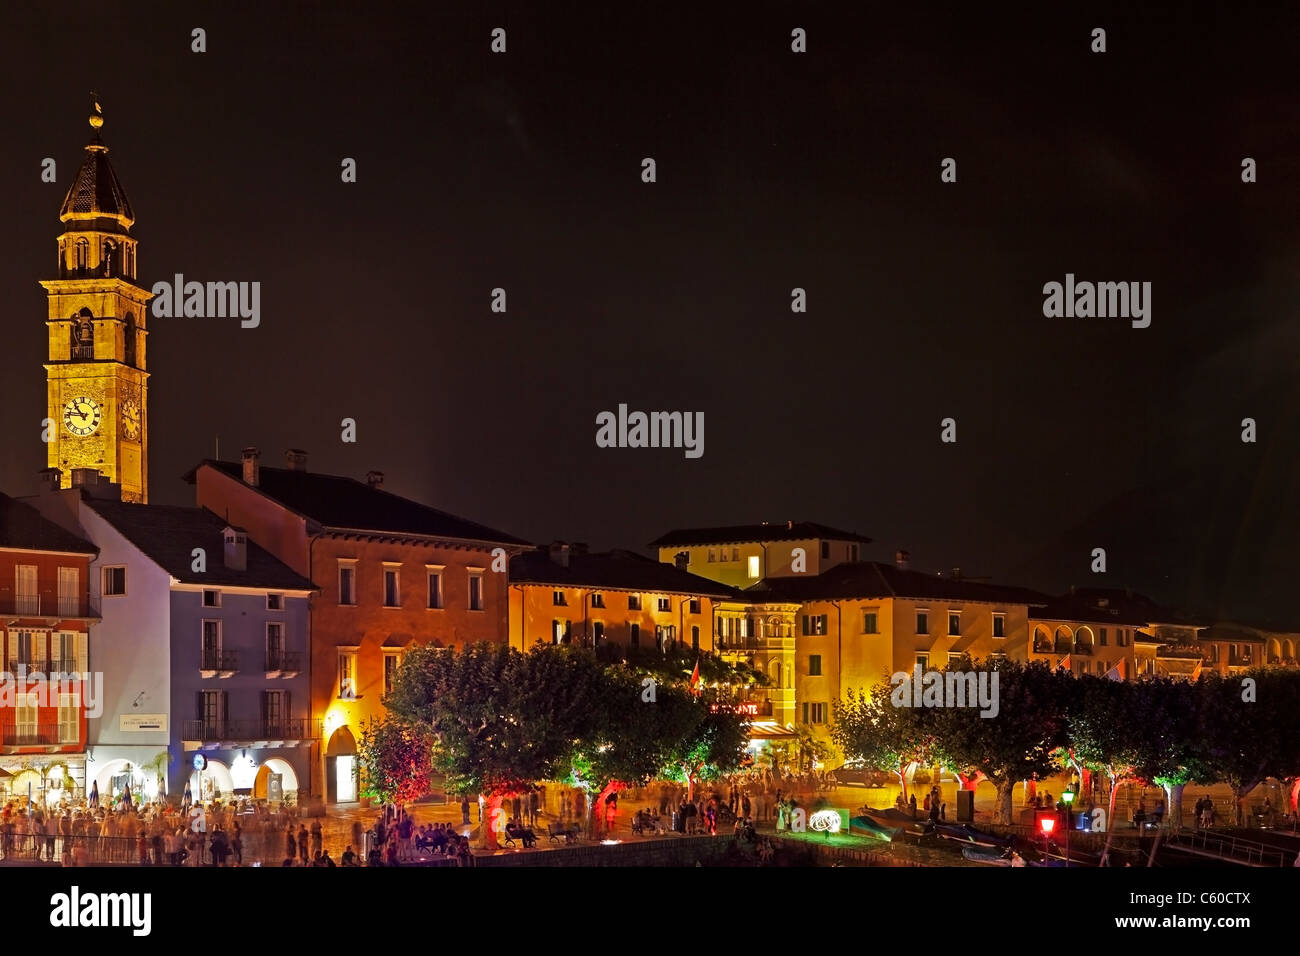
288 728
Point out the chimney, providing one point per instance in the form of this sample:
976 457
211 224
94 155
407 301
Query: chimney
578 547
901 558
682 560
560 553
295 459
236 548
375 479
789 526
251 468
956 574
85 477
51 479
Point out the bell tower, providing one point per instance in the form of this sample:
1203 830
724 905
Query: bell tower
96 382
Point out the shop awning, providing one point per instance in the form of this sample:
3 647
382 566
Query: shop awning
769 730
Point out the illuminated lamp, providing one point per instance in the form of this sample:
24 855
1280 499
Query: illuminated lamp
827 821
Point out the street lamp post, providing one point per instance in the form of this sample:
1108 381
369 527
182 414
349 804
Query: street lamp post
1068 798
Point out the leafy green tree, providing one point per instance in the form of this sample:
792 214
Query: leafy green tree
714 747
396 761
1243 729
868 727
1018 743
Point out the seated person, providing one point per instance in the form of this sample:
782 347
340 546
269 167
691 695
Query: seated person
349 858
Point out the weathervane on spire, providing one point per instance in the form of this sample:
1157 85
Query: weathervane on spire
97 111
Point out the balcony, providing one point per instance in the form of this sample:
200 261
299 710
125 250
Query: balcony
49 606
1042 647
47 666
1084 649
291 731
37 735
283 664
218 663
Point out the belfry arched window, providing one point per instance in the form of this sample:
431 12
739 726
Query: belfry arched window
83 254
130 339
83 336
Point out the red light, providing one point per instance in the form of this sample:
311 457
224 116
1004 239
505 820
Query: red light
1047 823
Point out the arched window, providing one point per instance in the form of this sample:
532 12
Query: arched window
109 257
130 339
83 255
83 336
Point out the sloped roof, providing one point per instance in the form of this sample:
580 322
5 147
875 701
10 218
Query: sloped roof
96 191
615 571
24 528
747 533
338 502
872 579
1107 606
168 535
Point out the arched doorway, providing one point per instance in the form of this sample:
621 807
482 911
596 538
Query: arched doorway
341 767
275 782
212 783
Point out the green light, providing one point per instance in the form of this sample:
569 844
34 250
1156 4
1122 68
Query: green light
1068 797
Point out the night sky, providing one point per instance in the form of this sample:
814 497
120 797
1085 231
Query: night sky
775 170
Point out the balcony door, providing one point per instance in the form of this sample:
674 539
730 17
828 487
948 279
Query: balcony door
212 712
275 711
211 645
69 592
26 597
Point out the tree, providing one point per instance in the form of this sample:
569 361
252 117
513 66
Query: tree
1019 742
396 761
868 727
713 748
499 719
1243 731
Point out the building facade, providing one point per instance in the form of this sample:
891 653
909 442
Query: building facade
46 619
743 555
391 573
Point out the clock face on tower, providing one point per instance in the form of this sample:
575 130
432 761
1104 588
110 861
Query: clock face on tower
82 415
131 420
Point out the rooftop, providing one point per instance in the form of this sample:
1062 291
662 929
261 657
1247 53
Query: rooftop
873 579
24 528
612 570
750 533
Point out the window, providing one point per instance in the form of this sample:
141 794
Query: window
24 649
853 552
557 598
392 594
1083 667
634 602
68 659
814 665
597 599
211 646
953 657
275 710
735 554
713 555
1121 637
869 623
665 604
114 581
275 602
348 675
476 590
923 622
211 598
1101 636
348 584
561 631
434 589
695 637
753 566
695 606
69 592
636 635
391 660
826 549
954 623
212 712
665 635
999 624
814 713
69 719
598 632
923 661
274 646
26 719
814 624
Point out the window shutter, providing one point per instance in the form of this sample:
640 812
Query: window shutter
83 652
198 705
285 712
265 707
824 631
225 705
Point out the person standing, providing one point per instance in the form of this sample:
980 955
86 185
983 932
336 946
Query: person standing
532 806
464 809
317 838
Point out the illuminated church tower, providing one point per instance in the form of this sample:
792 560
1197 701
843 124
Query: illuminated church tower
97 385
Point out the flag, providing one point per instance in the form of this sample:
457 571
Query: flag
1063 662
1116 672
695 678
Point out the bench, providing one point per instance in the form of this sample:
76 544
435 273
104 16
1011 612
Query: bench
557 830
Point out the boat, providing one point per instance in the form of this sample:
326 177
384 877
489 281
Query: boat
989 855
875 828
964 833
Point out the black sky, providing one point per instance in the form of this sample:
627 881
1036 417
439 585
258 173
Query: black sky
775 170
